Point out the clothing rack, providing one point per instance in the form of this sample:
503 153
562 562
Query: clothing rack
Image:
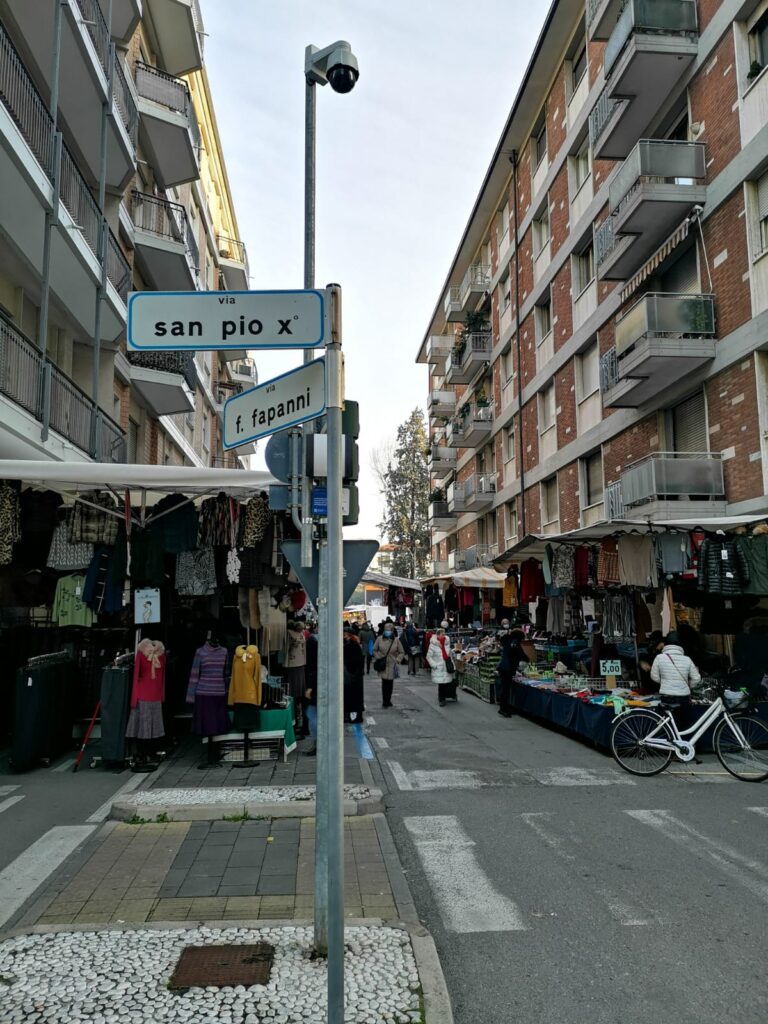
45 659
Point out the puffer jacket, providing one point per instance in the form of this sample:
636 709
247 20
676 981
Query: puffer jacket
436 661
723 569
674 671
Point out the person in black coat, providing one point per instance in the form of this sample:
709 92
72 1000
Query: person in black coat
511 656
354 669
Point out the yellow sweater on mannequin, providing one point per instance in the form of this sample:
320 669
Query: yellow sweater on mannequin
245 685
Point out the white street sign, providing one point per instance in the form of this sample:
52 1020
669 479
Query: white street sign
171 321
294 397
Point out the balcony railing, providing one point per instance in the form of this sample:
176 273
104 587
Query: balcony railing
601 114
649 16
476 415
606 240
125 102
164 219
673 475
609 370
657 161
25 105
439 510
173 93
614 501
245 368
30 380
231 249
664 313
96 26
476 279
182 363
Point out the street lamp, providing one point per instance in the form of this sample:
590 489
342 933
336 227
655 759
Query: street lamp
335 65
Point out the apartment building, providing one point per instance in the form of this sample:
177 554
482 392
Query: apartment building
600 348
113 180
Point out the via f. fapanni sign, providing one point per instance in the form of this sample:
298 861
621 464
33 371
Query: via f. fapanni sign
174 321
295 397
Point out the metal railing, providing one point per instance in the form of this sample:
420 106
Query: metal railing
182 363
666 313
197 20
477 278
124 101
609 370
614 501
25 105
118 268
601 114
173 93
97 29
193 252
439 510
673 475
452 301
231 249
660 160
161 217
30 380
477 414
78 199
606 240
649 16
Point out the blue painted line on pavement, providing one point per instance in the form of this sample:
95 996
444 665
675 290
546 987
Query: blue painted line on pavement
363 746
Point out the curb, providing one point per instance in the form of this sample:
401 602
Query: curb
127 809
437 1004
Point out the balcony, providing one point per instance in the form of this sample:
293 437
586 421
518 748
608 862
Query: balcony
442 403
176 29
441 460
479 491
650 49
244 372
674 485
440 516
613 500
126 15
166 249
452 306
439 347
457 561
475 427
233 260
164 382
467 357
601 17
476 283
660 340
85 66
41 405
169 131
652 193
437 567
456 498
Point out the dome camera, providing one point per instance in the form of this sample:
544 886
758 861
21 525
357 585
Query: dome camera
342 77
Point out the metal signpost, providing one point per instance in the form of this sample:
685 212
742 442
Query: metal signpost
294 397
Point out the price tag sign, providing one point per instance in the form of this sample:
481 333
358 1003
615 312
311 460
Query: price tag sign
610 668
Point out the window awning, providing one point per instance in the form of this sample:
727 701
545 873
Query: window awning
677 236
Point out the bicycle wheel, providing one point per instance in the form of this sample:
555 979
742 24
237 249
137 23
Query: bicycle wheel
628 734
747 761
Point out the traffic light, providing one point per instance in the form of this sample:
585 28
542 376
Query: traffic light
317 460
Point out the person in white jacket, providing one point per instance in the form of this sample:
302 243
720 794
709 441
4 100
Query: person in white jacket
674 671
437 652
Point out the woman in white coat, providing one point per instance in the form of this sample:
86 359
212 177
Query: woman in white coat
438 653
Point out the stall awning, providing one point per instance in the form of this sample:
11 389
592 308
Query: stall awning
482 577
383 580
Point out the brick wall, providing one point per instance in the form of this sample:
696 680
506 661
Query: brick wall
734 429
468 536
725 236
714 104
562 306
556 127
626 448
530 435
532 510
525 268
565 397
559 210
707 11
568 486
524 183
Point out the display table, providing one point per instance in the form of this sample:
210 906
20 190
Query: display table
593 721
275 724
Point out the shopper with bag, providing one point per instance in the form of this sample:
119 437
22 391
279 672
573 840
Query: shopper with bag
367 640
441 664
388 653
413 647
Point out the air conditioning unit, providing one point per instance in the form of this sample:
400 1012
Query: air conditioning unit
487 485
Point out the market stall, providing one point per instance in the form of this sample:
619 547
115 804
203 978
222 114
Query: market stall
149 599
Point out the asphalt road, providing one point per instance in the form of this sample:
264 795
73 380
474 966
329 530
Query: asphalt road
560 889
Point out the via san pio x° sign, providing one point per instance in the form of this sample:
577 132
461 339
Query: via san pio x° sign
294 397
175 321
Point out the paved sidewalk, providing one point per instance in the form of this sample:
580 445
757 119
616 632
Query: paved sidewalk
222 870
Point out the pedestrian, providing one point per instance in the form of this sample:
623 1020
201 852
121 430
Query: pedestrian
294 663
388 653
410 641
511 655
367 640
441 664
675 673
310 693
353 676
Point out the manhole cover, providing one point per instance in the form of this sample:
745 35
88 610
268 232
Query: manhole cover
218 966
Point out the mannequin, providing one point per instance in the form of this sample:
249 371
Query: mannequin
245 688
145 721
207 691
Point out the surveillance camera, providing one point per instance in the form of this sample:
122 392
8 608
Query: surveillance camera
343 71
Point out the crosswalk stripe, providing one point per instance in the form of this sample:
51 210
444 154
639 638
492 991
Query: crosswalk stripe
9 802
439 778
400 776
467 899
566 776
750 873
7 790
381 743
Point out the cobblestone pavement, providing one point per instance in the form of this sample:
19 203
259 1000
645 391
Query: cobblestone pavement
222 870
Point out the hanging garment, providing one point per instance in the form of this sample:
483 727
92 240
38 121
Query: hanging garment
254 521
245 684
573 617
100 592
10 521
531 581
451 599
674 550
64 555
38 517
435 608
563 571
147 559
608 563
581 567
214 522
276 623
755 552
723 567
94 525
511 597
196 572
618 620
637 561
173 521
555 615
69 607
209 672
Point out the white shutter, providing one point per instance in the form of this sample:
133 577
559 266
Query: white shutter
689 424
762 197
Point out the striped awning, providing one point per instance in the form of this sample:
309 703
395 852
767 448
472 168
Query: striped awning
677 236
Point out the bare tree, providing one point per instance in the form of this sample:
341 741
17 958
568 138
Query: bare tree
381 458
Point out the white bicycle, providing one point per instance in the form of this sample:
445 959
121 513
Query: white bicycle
644 741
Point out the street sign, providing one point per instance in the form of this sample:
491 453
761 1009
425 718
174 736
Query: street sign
294 397
358 555
174 321
277 456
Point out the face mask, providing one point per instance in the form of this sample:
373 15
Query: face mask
387 632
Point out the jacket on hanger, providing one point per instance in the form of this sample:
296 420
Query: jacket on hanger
723 569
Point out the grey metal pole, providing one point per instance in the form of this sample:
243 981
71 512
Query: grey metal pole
335 609
310 133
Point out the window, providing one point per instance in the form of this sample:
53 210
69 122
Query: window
578 66
543 320
547 408
592 480
505 293
509 444
510 519
502 227
758 42
587 372
762 216
507 367
540 143
541 230
206 433
584 267
689 425
133 441
580 166
549 501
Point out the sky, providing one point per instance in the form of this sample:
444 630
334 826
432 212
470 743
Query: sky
400 161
